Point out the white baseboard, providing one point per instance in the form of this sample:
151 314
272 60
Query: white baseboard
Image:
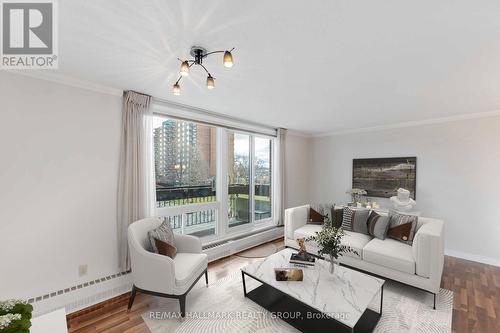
473 257
81 298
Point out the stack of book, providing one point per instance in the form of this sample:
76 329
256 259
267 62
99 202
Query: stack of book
302 259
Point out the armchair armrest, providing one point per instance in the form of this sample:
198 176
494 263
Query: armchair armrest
295 218
187 243
428 250
151 271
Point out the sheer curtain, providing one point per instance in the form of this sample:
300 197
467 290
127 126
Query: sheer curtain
136 195
281 179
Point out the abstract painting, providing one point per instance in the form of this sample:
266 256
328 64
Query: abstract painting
381 177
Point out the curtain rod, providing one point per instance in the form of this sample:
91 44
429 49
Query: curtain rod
205 112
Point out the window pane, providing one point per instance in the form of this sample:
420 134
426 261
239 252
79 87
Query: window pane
201 223
238 178
262 178
185 166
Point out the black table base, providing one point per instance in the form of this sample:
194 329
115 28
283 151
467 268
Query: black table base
302 316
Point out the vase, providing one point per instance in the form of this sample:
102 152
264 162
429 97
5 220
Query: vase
332 264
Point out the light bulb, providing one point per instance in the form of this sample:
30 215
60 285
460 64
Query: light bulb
184 68
210 82
176 89
228 59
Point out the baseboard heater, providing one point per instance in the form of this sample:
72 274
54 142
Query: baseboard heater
80 296
227 247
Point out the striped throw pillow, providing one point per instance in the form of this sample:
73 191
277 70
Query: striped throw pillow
378 225
163 233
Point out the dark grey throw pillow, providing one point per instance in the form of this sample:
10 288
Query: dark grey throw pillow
377 225
163 233
359 219
337 216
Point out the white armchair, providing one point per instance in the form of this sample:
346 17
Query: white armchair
160 275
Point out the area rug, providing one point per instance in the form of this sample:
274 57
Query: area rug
221 307
261 251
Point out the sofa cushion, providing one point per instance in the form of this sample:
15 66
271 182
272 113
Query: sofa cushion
390 253
188 266
355 241
307 230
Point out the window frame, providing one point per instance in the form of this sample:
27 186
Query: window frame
220 205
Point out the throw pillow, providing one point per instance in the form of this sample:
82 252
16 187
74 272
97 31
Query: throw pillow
320 214
165 249
315 217
163 233
402 227
359 220
377 225
354 219
337 216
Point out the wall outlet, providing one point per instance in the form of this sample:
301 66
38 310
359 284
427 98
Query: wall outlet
83 269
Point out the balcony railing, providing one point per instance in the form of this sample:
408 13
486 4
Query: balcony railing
199 219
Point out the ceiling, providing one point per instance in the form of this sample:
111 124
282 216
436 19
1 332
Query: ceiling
311 66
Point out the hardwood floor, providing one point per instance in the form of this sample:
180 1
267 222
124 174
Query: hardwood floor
476 288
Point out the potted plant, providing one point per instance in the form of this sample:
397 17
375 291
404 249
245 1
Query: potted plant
329 243
15 316
356 194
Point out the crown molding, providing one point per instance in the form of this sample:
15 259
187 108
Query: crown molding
300 134
55 77
431 121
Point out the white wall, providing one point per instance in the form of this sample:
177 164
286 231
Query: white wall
59 149
458 177
298 170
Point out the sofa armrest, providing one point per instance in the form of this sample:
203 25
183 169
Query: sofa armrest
187 244
295 218
428 250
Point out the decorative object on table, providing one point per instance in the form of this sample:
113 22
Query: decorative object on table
15 316
402 227
303 259
402 201
356 195
354 219
381 177
288 274
200 53
329 243
301 242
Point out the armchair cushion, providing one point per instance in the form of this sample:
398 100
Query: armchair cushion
188 267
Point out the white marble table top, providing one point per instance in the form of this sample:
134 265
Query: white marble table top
344 295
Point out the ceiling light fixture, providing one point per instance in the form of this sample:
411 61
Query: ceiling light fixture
199 53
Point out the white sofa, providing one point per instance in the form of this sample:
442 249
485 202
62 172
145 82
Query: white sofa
419 265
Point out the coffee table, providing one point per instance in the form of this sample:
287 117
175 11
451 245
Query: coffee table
322 302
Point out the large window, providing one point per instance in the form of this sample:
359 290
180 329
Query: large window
209 180
185 171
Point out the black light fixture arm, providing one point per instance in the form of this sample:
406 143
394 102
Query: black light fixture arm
199 53
209 53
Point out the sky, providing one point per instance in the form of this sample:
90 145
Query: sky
241 142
